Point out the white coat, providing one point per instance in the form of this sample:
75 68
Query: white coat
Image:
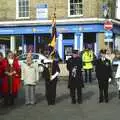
118 72
30 74
117 76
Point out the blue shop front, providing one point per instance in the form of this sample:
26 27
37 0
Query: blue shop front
69 36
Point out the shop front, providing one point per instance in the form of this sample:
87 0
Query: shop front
69 36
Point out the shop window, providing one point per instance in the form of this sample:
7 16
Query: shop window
22 9
89 37
75 7
67 36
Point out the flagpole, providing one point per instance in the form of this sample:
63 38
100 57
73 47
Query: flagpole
53 42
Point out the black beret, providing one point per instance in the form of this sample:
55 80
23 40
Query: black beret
75 51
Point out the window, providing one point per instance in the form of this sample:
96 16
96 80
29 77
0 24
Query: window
35 56
68 36
22 9
118 9
75 7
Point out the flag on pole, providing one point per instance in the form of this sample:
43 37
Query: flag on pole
54 35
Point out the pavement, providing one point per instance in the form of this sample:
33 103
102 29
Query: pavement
90 109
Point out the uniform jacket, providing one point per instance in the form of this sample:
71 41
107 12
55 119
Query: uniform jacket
30 73
74 65
103 69
46 73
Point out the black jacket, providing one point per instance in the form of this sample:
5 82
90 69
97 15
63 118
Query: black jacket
103 69
74 65
46 73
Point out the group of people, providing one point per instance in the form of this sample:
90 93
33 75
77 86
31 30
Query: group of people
13 75
87 62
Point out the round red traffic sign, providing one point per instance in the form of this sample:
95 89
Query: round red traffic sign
108 25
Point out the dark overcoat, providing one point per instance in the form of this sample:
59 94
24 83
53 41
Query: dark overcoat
103 70
74 65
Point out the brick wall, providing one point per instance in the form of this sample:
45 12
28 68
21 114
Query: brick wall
8 8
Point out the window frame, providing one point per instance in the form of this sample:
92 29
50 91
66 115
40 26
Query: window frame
69 10
17 11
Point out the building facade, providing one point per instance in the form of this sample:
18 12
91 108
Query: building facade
117 26
26 24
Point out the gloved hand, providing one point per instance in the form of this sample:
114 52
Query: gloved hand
110 80
54 76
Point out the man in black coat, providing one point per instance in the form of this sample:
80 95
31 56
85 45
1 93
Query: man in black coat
74 65
69 62
50 73
103 73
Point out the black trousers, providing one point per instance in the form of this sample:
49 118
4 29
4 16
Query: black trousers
103 90
88 74
51 92
73 94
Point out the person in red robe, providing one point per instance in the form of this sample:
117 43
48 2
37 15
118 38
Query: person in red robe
2 70
11 80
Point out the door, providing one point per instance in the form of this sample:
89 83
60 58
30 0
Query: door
67 51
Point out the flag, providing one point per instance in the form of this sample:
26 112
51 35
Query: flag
53 38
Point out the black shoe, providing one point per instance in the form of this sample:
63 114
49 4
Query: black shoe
106 101
79 101
53 103
100 101
49 103
11 102
73 101
90 81
4 105
83 85
119 94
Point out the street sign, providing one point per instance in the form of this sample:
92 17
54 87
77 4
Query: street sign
108 34
41 11
108 40
108 25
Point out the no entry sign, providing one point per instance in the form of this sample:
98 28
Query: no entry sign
108 25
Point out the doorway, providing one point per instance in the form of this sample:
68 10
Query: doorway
89 40
67 51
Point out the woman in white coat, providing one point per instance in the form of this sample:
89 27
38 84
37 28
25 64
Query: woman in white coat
117 76
30 76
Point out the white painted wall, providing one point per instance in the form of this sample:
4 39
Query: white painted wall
118 9
117 42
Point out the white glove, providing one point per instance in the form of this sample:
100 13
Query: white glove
41 69
110 80
54 76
